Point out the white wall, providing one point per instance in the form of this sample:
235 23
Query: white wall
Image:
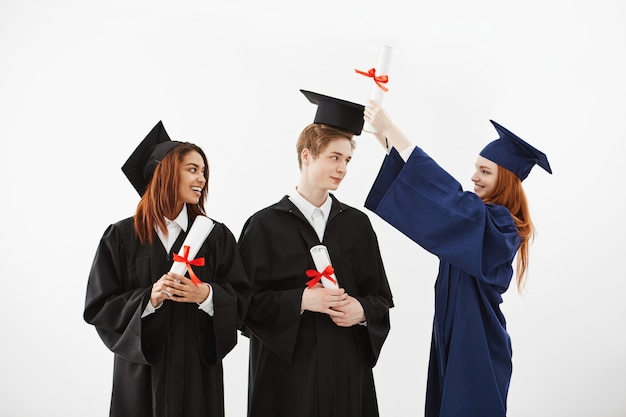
82 82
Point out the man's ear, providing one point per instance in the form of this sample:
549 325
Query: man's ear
306 156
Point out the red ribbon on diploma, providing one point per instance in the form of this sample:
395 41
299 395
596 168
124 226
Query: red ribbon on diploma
188 263
317 276
378 79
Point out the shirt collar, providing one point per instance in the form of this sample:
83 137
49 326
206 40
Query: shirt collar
182 220
307 208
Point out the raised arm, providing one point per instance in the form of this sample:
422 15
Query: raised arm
387 133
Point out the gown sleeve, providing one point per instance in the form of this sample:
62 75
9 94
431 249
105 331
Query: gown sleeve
373 291
274 312
231 292
110 306
427 204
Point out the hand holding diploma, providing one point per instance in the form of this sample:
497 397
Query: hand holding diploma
181 289
344 310
323 293
184 260
380 76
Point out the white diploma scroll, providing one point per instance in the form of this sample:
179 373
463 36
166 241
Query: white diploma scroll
200 230
382 68
321 258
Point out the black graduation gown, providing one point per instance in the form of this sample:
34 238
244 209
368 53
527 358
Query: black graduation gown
168 363
302 364
470 360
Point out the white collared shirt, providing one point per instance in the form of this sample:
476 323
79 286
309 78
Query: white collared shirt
174 227
307 208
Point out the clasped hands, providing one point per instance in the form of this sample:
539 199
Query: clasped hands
342 308
178 288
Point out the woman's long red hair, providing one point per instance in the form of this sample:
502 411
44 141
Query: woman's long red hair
509 193
160 199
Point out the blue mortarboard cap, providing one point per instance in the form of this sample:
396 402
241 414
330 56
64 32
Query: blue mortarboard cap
338 113
514 154
143 161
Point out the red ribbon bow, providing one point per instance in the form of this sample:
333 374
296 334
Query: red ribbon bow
377 79
317 276
188 263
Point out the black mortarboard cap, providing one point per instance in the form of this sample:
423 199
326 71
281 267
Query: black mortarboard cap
336 112
142 162
514 154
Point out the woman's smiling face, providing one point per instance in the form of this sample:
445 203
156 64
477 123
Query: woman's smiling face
192 178
485 177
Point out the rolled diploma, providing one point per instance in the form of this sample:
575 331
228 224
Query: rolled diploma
382 68
198 233
322 260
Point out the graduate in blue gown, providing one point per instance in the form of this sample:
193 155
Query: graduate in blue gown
477 236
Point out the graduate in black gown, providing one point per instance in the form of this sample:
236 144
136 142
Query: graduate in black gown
169 332
476 236
312 348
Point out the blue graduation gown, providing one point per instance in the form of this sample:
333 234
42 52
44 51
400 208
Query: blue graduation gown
470 362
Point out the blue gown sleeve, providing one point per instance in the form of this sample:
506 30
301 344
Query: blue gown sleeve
425 203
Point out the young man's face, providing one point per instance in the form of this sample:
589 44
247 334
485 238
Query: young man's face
328 169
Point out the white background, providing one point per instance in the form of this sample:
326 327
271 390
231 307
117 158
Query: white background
82 82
